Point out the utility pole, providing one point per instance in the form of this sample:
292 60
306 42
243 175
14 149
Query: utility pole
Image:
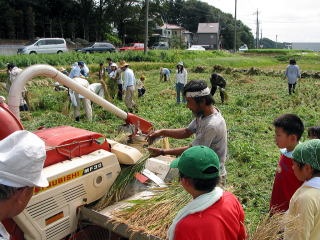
276 41
235 27
260 42
146 26
257 31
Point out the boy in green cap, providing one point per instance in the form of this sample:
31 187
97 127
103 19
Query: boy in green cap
305 203
213 213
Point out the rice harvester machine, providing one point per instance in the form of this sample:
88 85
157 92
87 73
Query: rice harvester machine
80 166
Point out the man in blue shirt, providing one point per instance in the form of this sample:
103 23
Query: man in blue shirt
75 71
164 74
129 82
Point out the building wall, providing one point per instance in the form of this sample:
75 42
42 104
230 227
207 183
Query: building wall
207 39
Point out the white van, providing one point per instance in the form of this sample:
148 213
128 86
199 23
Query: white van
44 45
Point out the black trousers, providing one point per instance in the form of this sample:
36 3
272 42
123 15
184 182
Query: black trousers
291 87
213 91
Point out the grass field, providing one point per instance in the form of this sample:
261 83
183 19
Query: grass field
255 100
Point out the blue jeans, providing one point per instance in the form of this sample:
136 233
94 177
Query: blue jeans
179 90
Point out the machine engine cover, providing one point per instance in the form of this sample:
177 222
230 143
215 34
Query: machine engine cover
52 211
65 142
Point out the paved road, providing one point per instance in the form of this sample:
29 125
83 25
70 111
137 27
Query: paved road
9 49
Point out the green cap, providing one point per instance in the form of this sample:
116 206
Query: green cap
308 152
195 160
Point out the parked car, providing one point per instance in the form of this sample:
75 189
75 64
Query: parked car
98 47
243 48
133 46
160 46
44 45
196 48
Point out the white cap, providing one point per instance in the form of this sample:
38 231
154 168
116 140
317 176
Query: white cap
22 155
113 65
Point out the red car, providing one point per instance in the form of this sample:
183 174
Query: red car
133 46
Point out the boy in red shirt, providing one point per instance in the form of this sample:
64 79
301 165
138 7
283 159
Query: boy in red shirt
288 131
213 214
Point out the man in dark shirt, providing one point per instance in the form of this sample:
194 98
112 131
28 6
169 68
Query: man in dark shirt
216 81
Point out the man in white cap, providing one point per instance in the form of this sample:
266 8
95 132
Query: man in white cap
208 126
22 155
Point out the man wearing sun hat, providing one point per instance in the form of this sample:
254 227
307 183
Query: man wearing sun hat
304 207
213 213
22 155
129 82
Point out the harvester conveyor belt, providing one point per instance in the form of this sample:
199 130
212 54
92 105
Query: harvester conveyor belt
106 219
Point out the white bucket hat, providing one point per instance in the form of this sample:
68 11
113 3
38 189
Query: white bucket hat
22 155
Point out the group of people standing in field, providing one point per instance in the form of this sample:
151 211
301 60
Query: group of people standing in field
115 81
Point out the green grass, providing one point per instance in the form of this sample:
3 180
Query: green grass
254 102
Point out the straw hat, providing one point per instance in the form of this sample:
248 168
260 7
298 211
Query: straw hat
123 64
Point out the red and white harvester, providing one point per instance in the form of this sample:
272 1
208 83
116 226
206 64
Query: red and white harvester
81 166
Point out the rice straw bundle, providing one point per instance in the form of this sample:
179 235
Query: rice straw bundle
117 190
272 227
154 216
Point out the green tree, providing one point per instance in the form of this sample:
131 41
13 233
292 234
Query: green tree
29 23
10 24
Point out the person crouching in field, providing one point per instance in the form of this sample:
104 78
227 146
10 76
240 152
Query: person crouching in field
217 81
13 72
140 86
213 213
304 206
288 131
164 74
292 74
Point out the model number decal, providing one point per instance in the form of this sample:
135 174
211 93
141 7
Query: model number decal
92 168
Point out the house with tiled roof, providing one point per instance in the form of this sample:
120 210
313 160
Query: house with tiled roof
169 32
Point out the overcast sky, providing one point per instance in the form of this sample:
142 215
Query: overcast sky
280 20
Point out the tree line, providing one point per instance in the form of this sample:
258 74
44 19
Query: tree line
116 21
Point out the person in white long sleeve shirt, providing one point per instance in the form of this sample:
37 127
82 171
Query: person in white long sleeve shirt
129 82
76 97
292 74
181 81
